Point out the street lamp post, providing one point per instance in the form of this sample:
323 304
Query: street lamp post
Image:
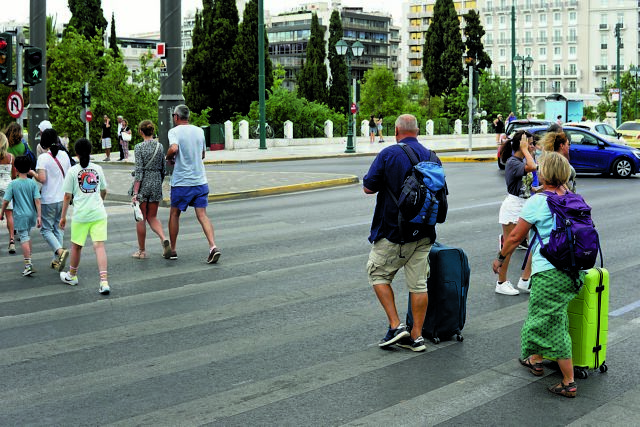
524 64
349 52
635 72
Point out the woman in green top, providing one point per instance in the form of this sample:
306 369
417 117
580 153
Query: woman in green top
14 135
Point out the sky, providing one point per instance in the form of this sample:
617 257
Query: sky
142 16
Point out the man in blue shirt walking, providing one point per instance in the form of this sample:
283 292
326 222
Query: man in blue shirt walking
391 251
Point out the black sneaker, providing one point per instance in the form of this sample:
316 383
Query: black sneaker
214 256
411 344
524 245
393 335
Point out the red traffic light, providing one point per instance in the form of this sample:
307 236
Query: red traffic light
3 44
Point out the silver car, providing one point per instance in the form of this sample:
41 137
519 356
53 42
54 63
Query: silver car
604 130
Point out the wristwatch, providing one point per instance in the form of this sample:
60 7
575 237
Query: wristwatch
500 257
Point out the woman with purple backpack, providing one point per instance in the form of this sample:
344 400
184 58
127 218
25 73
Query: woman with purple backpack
545 331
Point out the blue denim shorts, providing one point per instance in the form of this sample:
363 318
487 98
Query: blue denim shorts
196 196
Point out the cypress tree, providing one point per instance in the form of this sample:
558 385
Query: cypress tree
195 74
474 33
245 61
339 90
312 78
113 42
442 52
224 32
87 17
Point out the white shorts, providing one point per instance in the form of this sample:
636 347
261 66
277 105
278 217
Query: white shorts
106 143
510 209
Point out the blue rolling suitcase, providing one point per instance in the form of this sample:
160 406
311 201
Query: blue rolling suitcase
448 285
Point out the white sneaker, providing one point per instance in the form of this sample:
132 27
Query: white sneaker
104 288
506 288
68 279
524 285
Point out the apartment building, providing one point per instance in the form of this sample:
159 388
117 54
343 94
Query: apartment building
289 34
571 42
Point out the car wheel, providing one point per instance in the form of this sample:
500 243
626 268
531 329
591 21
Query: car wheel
622 168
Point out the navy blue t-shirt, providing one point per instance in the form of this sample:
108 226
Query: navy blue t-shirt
392 166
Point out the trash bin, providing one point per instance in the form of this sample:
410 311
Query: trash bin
207 135
217 136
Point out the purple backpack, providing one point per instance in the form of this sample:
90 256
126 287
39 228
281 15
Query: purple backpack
573 244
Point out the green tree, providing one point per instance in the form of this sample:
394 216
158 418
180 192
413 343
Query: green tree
312 78
494 96
87 17
474 33
224 32
113 41
245 61
339 89
442 52
197 81
380 94
76 60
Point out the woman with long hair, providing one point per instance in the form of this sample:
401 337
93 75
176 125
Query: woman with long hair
51 170
86 183
545 330
558 142
147 188
517 157
7 173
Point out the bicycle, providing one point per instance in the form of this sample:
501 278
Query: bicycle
255 131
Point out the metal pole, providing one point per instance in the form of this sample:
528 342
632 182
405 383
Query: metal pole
619 113
470 105
513 55
38 110
350 119
19 70
86 122
261 79
171 80
522 92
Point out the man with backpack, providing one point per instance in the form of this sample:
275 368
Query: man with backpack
401 239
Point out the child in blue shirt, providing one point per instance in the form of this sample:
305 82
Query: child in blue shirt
26 208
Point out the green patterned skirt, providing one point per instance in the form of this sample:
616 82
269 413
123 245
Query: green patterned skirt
546 329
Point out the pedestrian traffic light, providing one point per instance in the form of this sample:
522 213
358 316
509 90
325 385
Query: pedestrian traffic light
85 97
6 64
32 65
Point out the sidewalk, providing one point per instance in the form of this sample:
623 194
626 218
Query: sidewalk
226 185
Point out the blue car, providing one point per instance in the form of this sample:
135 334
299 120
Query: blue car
590 153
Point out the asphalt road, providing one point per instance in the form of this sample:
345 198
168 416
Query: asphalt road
283 330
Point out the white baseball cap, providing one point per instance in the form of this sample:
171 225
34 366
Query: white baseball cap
44 125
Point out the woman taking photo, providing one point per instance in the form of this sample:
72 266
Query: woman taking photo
519 163
147 188
545 330
125 133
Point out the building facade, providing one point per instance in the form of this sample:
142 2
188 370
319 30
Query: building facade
571 42
289 34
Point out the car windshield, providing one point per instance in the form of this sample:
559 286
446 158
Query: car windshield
629 126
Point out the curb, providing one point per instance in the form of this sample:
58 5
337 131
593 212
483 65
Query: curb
269 191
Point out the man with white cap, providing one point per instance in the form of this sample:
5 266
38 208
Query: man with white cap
44 125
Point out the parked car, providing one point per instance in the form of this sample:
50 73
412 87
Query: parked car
591 153
515 125
630 131
603 129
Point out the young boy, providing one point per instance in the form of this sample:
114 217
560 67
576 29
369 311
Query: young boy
26 208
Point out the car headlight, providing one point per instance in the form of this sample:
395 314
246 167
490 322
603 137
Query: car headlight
636 153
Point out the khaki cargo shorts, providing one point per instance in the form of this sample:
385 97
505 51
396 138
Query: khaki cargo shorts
384 262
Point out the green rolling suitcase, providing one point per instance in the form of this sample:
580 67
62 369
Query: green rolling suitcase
589 323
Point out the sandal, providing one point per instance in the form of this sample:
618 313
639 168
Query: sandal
568 390
139 254
535 368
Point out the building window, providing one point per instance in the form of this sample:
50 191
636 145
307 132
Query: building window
557 52
527 20
543 19
543 86
542 53
415 36
556 69
543 69
415 62
557 18
488 21
573 52
573 17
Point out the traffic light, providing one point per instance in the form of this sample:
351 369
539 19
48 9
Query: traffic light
32 65
6 64
476 81
85 98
